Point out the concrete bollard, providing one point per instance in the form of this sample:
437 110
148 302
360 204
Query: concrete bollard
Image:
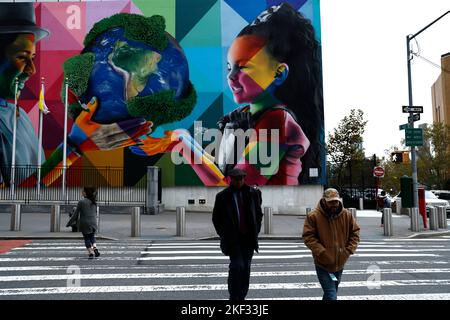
361 204
151 199
444 213
16 217
55 218
415 220
442 218
433 216
353 212
387 219
181 222
136 222
268 214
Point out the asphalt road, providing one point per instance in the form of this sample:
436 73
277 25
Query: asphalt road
395 269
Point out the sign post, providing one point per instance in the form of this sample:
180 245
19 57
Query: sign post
414 117
378 172
404 126
414 137
411 109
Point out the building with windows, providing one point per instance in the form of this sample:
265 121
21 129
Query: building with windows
440 92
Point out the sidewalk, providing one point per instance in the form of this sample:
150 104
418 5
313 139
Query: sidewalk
116 226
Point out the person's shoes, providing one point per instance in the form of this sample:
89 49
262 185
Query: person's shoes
91 253
97 254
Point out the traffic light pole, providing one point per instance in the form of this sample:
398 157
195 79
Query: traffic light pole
411 120
411 125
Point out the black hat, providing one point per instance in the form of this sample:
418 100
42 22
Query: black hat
237 173
20 18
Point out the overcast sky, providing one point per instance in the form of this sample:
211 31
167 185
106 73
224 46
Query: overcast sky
364 62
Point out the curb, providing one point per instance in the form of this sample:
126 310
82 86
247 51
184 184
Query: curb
52 238
262 237
430 234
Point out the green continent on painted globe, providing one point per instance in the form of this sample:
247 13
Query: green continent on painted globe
132 75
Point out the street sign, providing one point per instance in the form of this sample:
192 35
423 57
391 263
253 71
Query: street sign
407 109
404 126
414 117
414 137
378 172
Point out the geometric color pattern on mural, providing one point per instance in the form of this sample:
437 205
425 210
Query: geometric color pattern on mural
204 29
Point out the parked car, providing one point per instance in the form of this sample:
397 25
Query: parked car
442 194
431 200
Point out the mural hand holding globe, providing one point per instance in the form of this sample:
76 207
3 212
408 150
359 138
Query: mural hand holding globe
89 135
131 77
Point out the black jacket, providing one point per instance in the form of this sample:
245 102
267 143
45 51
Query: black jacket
225 217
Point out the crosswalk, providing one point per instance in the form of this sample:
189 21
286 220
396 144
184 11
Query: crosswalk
411 269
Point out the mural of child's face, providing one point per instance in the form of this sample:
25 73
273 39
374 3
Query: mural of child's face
17 63
251 70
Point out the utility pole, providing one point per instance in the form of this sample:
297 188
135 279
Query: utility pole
411 120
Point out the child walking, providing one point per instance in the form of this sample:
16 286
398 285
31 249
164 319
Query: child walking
86 215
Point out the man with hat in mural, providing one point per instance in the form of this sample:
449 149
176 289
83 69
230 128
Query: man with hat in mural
330 231
18 37
237 219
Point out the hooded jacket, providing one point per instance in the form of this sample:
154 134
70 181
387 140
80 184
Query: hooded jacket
225 218
331 238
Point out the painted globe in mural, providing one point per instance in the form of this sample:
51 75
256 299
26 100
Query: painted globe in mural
124 69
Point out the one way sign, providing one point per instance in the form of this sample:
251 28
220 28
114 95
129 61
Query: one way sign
408 109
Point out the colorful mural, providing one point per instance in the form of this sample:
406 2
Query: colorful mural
217 45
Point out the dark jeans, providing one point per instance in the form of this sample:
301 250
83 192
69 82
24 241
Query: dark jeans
89 239
330 287
239 271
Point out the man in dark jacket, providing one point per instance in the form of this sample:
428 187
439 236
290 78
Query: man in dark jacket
332 234
237 219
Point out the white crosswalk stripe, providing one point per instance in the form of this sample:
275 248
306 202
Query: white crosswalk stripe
401 269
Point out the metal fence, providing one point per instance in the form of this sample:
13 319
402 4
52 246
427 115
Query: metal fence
352 196
108 180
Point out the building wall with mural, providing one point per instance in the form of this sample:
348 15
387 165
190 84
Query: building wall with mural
219 80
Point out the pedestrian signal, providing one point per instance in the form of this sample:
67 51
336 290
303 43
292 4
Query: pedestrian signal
397 156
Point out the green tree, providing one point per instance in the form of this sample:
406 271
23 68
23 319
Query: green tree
433 163
344 146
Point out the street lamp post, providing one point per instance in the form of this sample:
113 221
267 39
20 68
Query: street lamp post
411 120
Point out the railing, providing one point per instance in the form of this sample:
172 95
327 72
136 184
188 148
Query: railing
109 182
352 197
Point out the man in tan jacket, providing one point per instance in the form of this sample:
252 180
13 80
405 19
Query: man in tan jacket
332 234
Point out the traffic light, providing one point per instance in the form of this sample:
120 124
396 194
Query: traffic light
406 157
397 156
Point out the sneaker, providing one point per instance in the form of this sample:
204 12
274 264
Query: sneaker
97 254
91 253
